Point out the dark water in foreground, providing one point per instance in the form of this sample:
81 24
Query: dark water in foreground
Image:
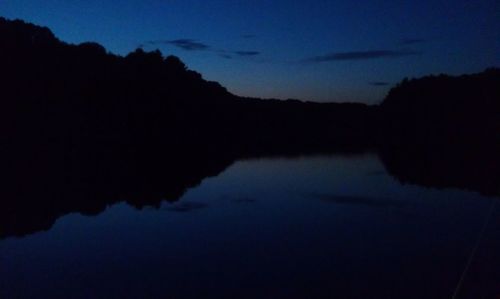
312 227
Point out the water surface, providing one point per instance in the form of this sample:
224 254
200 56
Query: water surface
334 226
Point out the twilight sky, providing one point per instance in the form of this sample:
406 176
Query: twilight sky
318 50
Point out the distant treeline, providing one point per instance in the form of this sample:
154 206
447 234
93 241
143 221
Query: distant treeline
82 91
444 109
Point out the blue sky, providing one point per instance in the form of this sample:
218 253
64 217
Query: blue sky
313 50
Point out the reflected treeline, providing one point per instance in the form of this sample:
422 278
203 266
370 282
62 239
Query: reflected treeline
471 167
82 129
40 183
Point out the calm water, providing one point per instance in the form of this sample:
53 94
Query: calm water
311 227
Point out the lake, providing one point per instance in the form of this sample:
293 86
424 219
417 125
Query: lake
321 226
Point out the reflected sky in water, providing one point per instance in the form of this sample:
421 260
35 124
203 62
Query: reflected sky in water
311 227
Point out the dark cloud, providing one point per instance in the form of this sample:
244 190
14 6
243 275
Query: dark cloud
248 36
362 55
246 53
411 41
231 54
183 43
195 45
379 83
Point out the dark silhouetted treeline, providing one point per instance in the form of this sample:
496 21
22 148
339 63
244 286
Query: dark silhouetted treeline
82 128
81 92
444 109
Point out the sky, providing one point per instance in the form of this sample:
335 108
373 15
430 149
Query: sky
325 51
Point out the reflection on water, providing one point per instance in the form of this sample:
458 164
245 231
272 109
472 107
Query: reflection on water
305 227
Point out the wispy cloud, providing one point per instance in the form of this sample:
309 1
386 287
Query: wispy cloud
379 83
188 44
240 53
362 55
183 43
246 53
